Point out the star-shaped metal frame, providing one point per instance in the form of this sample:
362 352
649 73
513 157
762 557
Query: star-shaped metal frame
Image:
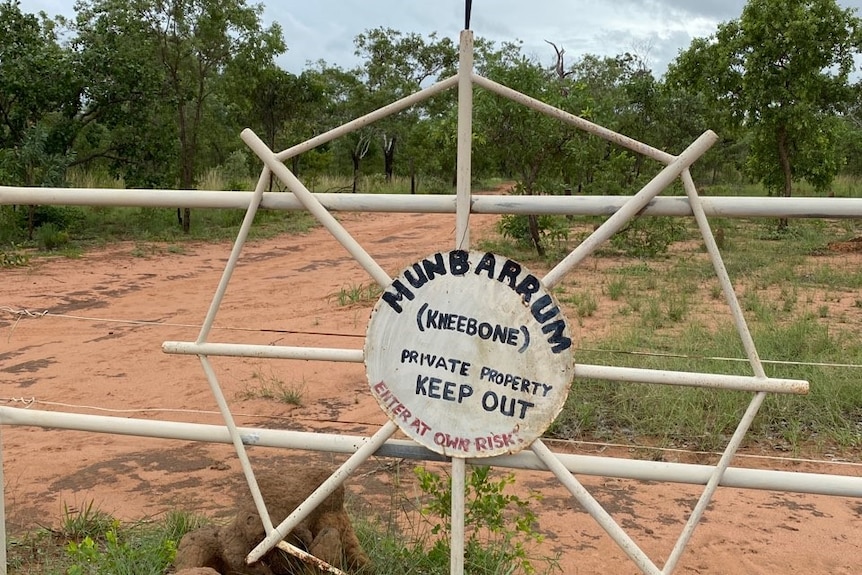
676 167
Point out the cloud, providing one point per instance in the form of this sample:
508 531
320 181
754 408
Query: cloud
325 29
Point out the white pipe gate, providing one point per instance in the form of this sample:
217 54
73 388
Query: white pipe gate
620 209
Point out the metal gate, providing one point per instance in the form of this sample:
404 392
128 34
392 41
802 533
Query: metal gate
521 446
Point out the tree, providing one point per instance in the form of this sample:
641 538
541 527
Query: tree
168 55
283 105
346 97
523 142
38 99
396 65
36 73
782 70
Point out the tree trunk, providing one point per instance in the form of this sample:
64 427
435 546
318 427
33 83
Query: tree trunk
389 158
535 237
784 160
356 160
31 220
187 166
412 177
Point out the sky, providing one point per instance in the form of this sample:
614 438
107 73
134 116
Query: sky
654 29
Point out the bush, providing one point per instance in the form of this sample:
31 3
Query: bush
648 237
50 237
500 528
552 229
13 258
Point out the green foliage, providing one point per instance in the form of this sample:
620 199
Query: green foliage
357 294
84 521
552 229
272 387
235 171
500 528
50 237
13 258
781 72
120 553
648 237
91 542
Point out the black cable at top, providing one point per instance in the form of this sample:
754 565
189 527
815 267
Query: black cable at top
467 9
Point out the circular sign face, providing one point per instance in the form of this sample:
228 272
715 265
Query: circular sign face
469 354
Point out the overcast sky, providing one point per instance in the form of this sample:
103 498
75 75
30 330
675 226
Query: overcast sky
656 29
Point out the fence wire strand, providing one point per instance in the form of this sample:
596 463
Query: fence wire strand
30 314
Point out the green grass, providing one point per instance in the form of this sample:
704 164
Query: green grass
410 535
91 542
794 294
271 387
704 418
356 294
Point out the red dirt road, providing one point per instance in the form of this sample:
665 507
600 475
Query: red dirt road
98 351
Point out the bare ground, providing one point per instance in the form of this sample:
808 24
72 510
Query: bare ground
285 292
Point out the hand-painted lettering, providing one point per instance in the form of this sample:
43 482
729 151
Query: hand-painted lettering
436 388
459 262
420 426
509 272
514 382
419 274
393 299
486 264
452 441
429 318
391 402
495 441
451 364
507 406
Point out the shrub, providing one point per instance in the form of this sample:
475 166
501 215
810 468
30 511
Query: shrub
50 237
648 237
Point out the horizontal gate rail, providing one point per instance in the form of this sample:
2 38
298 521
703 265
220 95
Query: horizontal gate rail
713 206
643 470
582 371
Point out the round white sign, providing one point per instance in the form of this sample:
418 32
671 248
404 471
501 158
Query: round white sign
469 354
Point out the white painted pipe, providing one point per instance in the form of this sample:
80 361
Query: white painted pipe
368 448
315 208
369 118
464 182
263 351
571 119
235 253
594 508
582 371
236 439
817 484
2 511
691 379
458 507
464 173
713 206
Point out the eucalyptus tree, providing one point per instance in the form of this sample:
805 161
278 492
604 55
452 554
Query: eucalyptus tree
534 148
607 88
852 135
152 58
344 97
37 75
395 65
39 92
782 71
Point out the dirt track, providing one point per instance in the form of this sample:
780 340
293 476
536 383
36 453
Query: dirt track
285 293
